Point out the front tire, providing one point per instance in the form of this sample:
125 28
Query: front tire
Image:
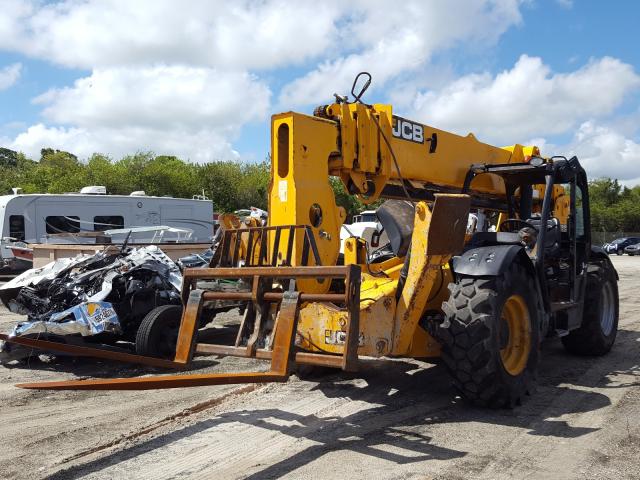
158 332
491 336
599 326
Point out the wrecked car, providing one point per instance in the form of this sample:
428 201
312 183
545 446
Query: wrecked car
101 298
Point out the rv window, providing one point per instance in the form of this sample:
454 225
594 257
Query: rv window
63 224
107 222
16 227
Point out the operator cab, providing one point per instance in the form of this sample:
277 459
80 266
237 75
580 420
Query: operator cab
547 215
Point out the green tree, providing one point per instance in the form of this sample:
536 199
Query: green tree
604 191
614 208
253 186
166 175
8 158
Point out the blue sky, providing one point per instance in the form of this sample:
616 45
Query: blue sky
201 81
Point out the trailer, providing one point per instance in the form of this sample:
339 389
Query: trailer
37 218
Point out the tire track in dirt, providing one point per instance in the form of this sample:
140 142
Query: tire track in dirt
199 407
392 420
547 456
279 427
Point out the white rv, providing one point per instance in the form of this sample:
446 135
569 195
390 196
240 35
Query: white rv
33 218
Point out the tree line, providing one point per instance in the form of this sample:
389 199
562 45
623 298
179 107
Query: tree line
614 207
232 185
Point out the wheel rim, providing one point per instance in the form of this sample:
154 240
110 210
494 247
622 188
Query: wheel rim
607 309
516 320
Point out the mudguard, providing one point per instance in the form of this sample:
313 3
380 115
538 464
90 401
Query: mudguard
486 261
598 254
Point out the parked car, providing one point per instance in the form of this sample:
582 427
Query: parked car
619 244
632 249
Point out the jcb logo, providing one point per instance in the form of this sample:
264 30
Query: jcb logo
407 130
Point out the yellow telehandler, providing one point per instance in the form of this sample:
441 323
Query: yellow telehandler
483 300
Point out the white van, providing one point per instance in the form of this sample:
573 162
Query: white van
32 218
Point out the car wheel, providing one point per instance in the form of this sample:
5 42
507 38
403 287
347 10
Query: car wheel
158 332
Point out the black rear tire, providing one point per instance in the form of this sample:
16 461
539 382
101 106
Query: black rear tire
599 326
158 332
476 334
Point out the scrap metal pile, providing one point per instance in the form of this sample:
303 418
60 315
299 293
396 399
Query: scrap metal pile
98 298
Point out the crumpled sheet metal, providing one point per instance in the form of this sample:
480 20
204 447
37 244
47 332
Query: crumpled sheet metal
86 319
144 254
94 315
47 272
51 270
137 258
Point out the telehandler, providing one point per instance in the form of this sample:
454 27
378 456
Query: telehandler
482 300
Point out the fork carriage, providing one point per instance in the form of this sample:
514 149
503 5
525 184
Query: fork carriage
269 325
298 311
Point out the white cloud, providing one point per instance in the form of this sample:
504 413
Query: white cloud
200 145
605 152
160 96
174 79
528 100
187 111
529 103
390 41
568 4
102 33
9 75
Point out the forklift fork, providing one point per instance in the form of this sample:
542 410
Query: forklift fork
263 295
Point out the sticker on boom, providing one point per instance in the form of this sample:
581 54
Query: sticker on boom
407 130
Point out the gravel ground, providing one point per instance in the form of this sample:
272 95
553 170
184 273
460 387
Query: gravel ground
394 419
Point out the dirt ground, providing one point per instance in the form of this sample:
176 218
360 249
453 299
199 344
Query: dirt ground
394 420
